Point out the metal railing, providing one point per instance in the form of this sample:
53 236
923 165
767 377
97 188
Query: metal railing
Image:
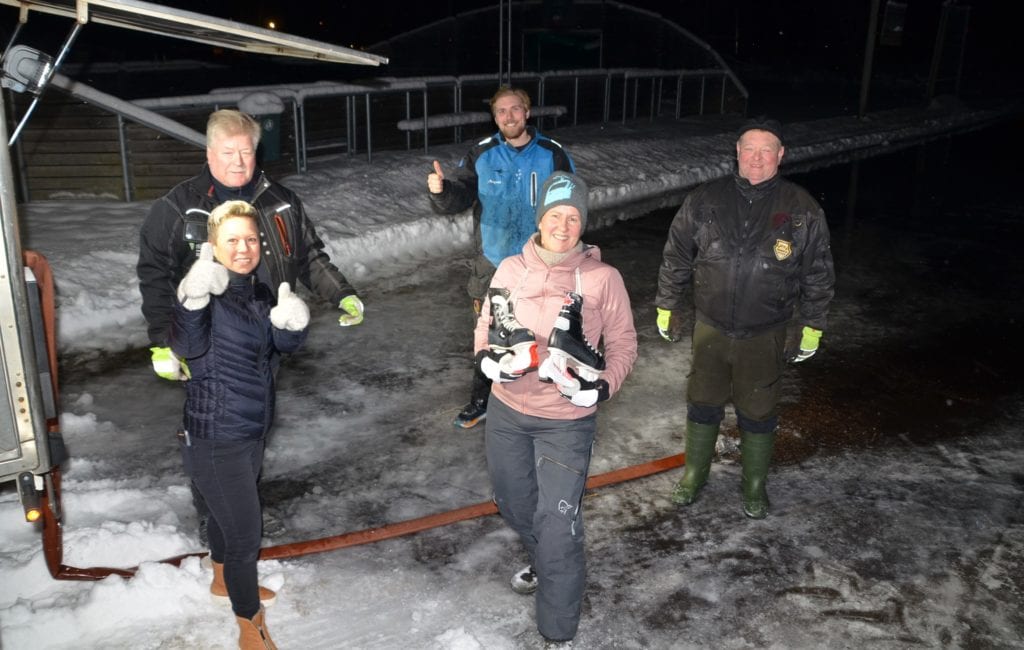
542 86
330 117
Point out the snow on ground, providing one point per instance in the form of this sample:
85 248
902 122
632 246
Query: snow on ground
378 226
907 545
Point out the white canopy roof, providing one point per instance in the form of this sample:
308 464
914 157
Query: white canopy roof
190 26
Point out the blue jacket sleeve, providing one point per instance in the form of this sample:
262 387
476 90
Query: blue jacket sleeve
190 331
287 341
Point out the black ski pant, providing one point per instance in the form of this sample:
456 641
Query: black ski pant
225 472
538 470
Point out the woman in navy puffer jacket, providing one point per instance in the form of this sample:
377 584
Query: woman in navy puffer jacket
230 334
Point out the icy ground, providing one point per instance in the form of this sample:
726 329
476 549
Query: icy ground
896 517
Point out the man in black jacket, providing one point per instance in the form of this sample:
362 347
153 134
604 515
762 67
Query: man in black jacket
756 248
176 226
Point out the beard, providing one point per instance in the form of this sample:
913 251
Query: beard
512 131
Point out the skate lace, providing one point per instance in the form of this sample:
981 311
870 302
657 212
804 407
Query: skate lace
505 318
563 321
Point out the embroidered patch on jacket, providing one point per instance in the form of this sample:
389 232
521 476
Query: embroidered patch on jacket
782 249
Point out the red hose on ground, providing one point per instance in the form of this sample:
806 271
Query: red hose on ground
54 550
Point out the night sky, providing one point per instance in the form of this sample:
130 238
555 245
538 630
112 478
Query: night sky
797 34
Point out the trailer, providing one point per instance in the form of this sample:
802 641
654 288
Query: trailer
31 445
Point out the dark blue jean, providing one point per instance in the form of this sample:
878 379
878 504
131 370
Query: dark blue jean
226 472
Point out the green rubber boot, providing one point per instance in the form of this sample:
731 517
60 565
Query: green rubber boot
700 447
756 455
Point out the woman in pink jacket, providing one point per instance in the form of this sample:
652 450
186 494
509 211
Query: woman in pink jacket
546 311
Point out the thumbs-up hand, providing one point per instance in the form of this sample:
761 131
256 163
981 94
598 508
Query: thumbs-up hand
435 180
206 277
290 313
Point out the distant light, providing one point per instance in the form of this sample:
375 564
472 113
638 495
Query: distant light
33 514
271 24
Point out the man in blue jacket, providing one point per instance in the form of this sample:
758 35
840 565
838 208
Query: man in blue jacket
500 177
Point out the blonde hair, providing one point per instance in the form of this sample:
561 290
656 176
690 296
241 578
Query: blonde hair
229 122
225 211
509 90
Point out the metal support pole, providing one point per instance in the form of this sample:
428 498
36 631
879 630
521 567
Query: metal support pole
679 96
369 137
625 97
303 160
607 98
14 36
501 37
940 43
654 85
17 152
299 146
352 123
869 56
45 81
408 116
508 41
126 170
575 99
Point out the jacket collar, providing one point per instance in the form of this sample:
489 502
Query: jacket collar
209 185
570 261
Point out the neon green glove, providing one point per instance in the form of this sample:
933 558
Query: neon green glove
670 325
169 366
809 339
353 308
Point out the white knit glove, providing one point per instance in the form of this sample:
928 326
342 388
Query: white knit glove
290 313
206 277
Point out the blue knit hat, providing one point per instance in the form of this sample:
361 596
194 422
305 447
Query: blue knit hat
563 188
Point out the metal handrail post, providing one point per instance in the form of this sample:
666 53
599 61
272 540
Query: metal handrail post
655 83
679 95
456 106
351 134
302 129
625 91
575 99
299 146
607 98
408 116
369 136
126 174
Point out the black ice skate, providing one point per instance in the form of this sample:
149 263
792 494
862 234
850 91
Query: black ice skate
508 334
567 345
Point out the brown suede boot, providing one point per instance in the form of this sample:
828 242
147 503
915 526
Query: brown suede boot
219 589
253 633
